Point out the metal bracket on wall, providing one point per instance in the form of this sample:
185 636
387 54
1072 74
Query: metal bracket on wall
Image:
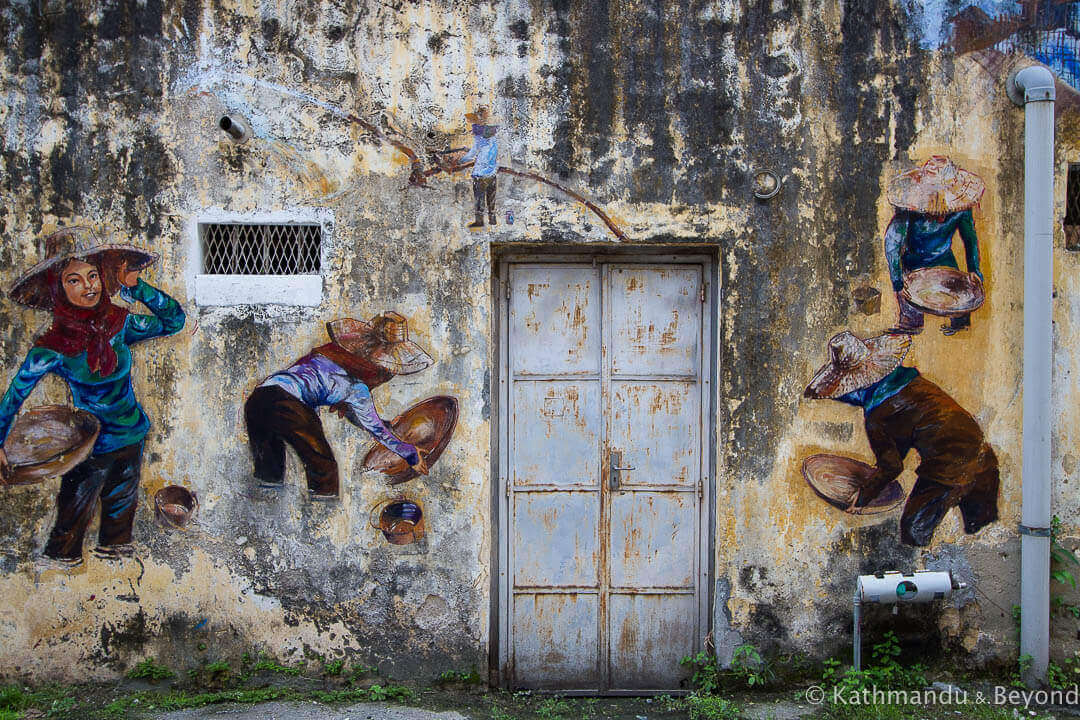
1033 531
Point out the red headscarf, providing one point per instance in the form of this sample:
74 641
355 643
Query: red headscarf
76 330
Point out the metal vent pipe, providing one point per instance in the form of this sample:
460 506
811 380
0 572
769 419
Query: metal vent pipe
1033 87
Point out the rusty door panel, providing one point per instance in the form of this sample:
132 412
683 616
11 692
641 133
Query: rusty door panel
656 320
556 540
649 635
603 362
555 641
655 424
555 320
556 432
653 538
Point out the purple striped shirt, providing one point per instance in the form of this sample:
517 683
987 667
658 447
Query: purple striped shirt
317 380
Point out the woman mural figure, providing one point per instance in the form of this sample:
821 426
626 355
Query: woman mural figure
933 202
89 347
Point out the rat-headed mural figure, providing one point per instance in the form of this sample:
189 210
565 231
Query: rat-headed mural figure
933 202
89 347
340 374
904 411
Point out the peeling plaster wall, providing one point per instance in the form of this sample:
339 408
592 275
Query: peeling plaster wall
659 112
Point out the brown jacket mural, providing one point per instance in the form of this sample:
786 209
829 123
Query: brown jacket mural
904 412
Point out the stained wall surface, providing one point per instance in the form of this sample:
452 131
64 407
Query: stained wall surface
659 113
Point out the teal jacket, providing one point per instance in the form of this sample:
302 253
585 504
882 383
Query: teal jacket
915 240
110 399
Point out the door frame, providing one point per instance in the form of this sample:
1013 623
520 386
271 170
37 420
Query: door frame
499 670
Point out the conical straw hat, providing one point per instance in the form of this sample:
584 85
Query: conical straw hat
937 187
32 289
855 363
384 341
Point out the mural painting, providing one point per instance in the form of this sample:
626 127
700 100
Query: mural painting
341 375
399 519
89 347
933 203
997 33
485 164
904 411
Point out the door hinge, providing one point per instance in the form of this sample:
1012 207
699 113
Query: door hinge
701 294
506 483
507 289
701 489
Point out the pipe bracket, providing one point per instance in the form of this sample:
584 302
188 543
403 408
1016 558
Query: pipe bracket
1033 531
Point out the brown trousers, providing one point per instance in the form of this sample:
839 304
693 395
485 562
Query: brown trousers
274 417
957 467
484 192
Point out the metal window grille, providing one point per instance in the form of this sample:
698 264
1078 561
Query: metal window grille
1072 208
261 249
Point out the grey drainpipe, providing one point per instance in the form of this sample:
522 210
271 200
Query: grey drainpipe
1033 87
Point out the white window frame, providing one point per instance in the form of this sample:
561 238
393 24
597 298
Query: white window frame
227 290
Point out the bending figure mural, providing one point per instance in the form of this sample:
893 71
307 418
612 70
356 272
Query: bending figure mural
904 411
89 347
340 374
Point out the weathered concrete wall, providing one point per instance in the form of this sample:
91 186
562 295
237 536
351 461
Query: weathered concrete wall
659 112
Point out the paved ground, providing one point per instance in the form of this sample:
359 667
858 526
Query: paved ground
308 711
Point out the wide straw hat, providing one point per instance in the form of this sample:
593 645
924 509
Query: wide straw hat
482 116
937 187
78 242
384 341
855 363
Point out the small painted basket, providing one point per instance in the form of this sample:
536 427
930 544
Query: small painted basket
401 520
175 506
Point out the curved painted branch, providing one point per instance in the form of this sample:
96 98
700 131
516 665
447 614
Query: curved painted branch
418 175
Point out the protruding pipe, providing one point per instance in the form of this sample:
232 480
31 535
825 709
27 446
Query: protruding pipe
856 651
237 128
1033 87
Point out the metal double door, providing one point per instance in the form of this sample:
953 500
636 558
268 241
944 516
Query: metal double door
604 461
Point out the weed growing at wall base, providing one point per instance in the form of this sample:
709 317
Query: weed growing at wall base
886 672
58 704
149 669
711 707
748 670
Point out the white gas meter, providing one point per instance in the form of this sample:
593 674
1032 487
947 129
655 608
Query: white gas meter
896 587
891 587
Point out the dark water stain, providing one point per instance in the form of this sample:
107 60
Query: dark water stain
122 639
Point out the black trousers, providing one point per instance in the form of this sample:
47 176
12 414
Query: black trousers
274 417
114 478
483 189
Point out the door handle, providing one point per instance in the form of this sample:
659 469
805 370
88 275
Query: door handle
614 469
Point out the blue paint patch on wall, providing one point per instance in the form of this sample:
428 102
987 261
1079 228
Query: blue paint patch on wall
1044 30
931 18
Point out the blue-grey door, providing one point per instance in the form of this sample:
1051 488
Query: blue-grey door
604 464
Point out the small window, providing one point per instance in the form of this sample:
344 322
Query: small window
1072 208
249 249
259 259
